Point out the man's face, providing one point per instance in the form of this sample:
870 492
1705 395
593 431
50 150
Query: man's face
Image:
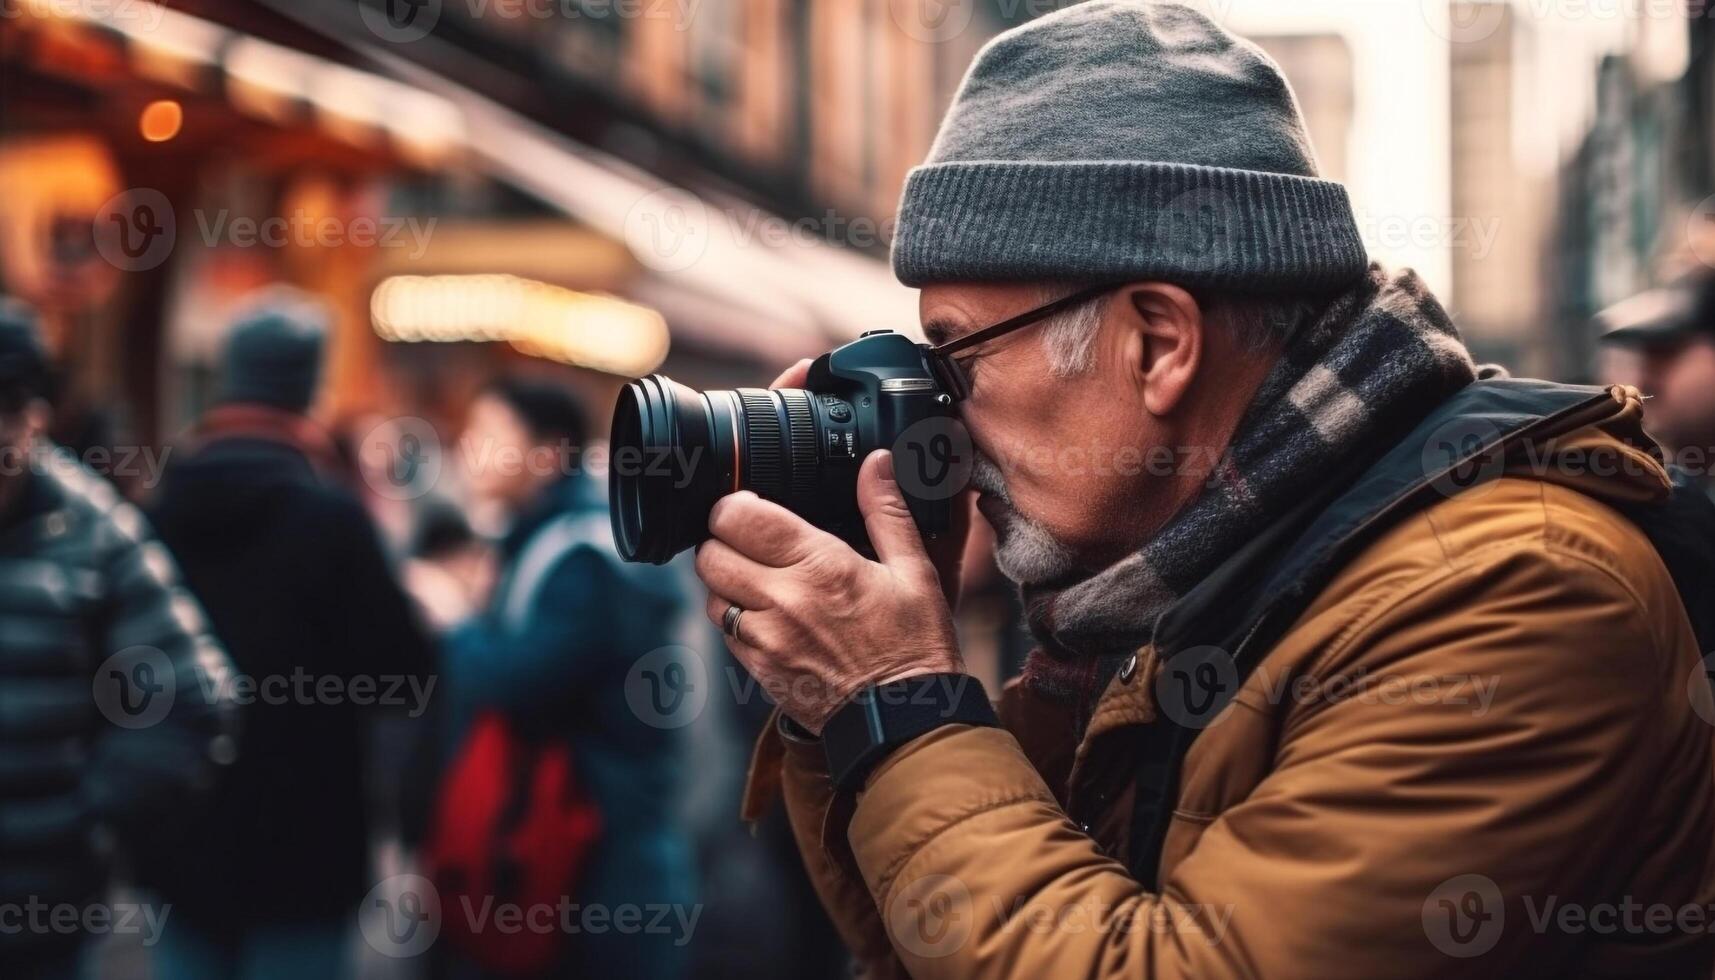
500 454
1681 377
1060 457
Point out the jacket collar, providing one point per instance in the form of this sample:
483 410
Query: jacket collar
241 420
1253 597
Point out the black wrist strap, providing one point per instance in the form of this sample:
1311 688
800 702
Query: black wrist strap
882 718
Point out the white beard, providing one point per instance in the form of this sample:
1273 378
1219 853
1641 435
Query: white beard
1024 550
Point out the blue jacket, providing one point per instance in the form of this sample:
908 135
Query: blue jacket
554 651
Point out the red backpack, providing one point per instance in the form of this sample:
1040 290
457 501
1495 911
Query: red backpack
509 831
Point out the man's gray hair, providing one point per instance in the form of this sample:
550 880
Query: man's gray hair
1258 323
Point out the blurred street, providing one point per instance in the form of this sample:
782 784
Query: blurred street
419 247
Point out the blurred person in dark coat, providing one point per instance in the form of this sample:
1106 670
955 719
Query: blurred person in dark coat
89 603
553 650
1671 329
294 577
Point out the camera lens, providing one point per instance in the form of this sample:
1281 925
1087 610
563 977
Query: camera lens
675 451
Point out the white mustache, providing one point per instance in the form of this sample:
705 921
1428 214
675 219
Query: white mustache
987 478
1025 551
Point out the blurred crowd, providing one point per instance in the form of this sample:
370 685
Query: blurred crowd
455 741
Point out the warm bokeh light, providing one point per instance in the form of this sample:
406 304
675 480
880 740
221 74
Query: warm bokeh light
161 120
537 318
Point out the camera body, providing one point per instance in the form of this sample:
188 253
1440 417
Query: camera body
895 403
676 451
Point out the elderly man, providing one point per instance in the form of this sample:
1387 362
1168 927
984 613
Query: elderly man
1349 664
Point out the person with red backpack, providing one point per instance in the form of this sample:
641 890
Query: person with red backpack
551 842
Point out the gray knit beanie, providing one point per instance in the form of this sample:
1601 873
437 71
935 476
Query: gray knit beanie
1125 140
274 354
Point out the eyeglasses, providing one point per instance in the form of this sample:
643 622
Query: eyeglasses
949 367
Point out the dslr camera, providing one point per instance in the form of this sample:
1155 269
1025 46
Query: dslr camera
675 451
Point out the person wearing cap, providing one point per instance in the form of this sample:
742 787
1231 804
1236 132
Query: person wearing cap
1672 331
1350 662
293 573
90 604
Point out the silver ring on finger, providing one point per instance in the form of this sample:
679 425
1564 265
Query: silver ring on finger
729 620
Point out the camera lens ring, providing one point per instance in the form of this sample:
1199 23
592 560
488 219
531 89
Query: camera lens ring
765 443
801 433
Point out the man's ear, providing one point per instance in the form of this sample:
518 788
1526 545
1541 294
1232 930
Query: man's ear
1164 342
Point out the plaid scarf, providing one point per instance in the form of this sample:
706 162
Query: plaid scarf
1373 363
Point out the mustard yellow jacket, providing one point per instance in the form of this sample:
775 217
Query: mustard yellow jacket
1483 750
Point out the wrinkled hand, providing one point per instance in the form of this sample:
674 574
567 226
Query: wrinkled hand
821 621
